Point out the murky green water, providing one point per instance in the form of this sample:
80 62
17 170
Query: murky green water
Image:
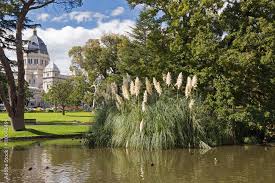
76 164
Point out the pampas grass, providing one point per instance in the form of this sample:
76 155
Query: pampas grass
179 81
119 99
194 82
168 79
158 88
132 88
141 125
145 97
191 104
163 122
148 86
125 91
114 88
188 87
143 106
155 82
137 86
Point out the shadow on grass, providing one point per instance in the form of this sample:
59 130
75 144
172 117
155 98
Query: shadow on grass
79 116
38 132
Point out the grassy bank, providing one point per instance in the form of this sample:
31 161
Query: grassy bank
55 117
44 131
41 142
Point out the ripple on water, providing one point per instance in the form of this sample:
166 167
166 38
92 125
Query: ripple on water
76 164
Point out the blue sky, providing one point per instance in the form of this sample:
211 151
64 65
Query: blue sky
62 30
86 16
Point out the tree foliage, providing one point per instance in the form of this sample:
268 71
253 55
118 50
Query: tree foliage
13 20
60 94
228 44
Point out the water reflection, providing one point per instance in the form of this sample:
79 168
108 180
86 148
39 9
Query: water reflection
79 165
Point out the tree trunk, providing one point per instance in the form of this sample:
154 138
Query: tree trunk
18 123
63 110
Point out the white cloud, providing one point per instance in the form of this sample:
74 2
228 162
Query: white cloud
80 16
43 17
60 41
118 11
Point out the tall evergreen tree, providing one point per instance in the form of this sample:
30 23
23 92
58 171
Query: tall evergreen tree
13 20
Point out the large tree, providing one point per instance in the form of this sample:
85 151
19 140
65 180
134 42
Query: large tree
13 20
229 44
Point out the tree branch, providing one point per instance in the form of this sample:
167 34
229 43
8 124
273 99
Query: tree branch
42 5
9 75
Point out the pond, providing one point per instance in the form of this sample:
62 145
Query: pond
66 161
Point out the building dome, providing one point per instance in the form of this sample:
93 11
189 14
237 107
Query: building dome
51 67
36 44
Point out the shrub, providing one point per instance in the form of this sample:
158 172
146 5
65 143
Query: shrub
161 119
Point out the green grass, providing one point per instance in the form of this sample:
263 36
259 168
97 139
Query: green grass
45 130
55 117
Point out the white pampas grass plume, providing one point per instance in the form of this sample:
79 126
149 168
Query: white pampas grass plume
155 82
191 104
132 88
145 96
125 92
188 87
179 81
158 88
119 99
127 144
143 106
194 81
137 86
148 86
145 99
141 125
164 77
114 88
168 79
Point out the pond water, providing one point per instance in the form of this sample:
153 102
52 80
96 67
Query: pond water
57 162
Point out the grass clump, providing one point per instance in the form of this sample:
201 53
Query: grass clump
161 118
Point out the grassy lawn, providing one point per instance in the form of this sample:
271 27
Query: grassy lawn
55 117
46 130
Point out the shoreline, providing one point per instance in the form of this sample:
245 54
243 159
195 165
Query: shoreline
14 139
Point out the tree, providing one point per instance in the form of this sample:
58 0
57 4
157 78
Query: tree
13 19
230 46
98 58
60 94
147 53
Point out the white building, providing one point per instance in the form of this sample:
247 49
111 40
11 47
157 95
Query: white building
40 72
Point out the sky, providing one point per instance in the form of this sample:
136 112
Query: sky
61 30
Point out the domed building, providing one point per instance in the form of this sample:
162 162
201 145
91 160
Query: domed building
40 72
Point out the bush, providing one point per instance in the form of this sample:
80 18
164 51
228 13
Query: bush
164 119
251 140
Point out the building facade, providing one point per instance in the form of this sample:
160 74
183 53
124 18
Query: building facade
40 71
